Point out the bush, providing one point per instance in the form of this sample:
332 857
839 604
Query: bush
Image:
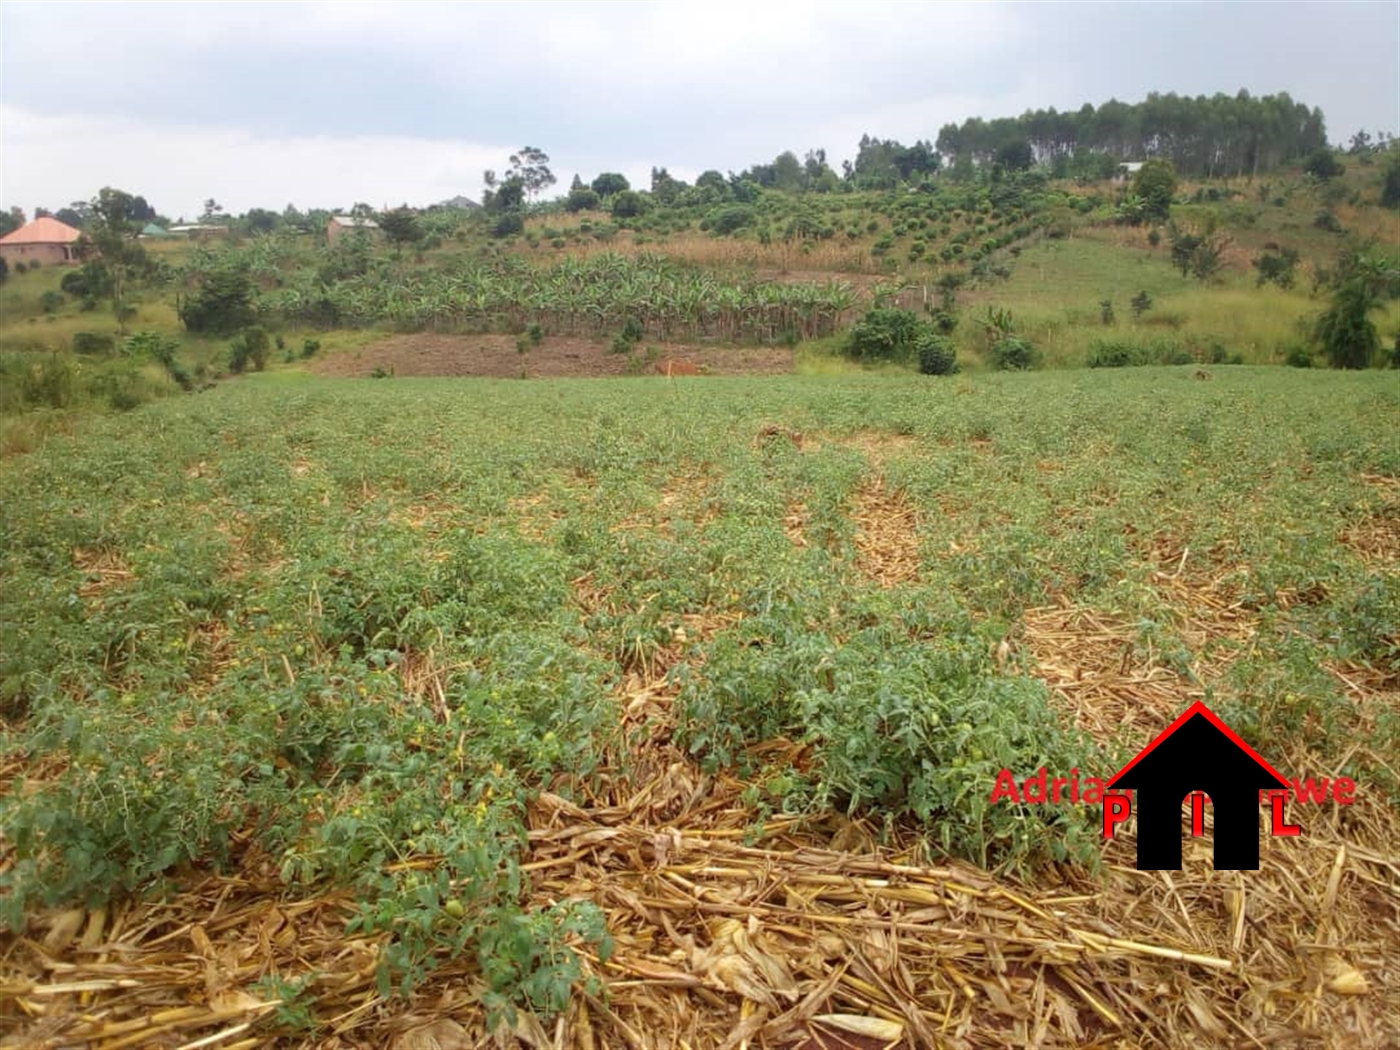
885 334
724 221
52 383
1125 353
1106 311
1014 354
93 343
628 205
1323 164
1277 268
51 301
21 269
221 303
1326 219
1155 184
310 347
1140 303
250 349
582 198
1298 356
937 356
509 224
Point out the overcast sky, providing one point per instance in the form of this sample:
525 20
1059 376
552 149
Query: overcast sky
325 104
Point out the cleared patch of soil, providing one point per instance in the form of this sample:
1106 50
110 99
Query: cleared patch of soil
497 356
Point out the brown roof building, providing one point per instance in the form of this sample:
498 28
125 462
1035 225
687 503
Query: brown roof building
44 240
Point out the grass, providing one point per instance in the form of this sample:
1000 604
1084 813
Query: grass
363 625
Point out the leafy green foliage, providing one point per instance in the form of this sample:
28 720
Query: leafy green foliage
627 204
886 334
1390 178
1140 303
1344 331
1154 185
220 301
93 343
1015 354
1197 252
936 353
250 350
1323 164
1124 353
1278 268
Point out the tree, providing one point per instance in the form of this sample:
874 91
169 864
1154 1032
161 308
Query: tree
531 167
260 220
1390 179
628 205
581 198
213 211
610 184
1344 331
1323 164
11 220
1016 155
111 239
1155 183
401 226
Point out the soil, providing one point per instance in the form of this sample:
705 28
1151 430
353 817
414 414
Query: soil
497 356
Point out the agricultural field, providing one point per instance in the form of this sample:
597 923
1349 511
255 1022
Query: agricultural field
669 711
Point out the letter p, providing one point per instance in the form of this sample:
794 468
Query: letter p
1117 807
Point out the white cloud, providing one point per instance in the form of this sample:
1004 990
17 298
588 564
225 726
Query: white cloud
51 161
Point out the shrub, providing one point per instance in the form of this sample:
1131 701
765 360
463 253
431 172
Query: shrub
724 221
21 269
52 383
1277 268
1014 354
1323 164
51 301
1326 219
885 333
1141 303
4 269
1125 353
937 356
93 343
221 303
1106 311
250 349
628 205
310 347
1298 356
535 331
509 224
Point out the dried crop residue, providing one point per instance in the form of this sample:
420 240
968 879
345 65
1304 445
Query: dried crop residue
1092 663
795 524
728 933
104 568
1376 537
887 535
877 445
499 357
1202 589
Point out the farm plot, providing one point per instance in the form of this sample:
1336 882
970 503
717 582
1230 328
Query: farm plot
652 714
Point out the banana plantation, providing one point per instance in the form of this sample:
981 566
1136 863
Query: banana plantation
582 297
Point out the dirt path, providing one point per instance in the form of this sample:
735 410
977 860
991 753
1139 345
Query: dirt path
497 356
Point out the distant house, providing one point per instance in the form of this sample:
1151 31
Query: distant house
44 240
343 224
152 230
460 202
1127 170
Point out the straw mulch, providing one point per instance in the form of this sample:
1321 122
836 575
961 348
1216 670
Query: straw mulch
731 932
887 534
788 936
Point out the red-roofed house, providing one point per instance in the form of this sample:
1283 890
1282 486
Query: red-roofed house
44 240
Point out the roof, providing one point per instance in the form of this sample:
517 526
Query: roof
43 231
1132 165
352 220
1195 742
152 230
